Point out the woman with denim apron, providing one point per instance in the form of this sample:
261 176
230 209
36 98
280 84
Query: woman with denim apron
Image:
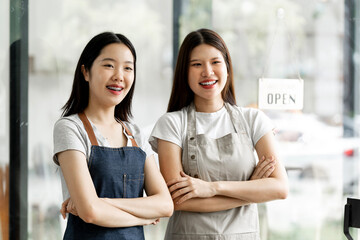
209 149
105 162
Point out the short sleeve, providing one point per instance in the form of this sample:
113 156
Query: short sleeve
168 128
67 136
259 123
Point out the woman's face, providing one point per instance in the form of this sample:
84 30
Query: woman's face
207 73
111 75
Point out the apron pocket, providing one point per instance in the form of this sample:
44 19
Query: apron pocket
133 185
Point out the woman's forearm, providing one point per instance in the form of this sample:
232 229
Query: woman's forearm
155 206
212 204
103 214
256 191
89 207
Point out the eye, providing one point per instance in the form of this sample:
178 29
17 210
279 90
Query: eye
128 68
108 65
216 62
196 64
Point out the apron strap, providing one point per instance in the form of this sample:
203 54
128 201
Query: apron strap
235 118
192 153
88 129
91 133
129 134
238 119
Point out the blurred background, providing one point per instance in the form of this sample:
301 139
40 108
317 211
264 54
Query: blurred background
318 39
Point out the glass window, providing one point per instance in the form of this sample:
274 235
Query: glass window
58 32
263 43
322 165
4 118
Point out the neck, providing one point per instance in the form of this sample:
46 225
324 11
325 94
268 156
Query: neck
208 106
100 115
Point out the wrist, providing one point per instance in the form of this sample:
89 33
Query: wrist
216 187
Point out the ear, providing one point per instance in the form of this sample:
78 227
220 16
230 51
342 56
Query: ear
85 73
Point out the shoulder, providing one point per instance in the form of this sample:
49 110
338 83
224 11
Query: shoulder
174 116
258 122
173 123
251 114
170 127
173 119
69 133
71 122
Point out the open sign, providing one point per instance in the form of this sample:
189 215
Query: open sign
286 94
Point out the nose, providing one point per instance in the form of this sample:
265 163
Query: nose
118 75
208 70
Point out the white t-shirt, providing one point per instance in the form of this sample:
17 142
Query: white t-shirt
70 134
172 126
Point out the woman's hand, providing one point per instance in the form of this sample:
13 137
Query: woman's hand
156 221
68 207
264 168
187 187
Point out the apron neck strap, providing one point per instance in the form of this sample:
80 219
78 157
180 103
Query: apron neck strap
129 135
88 129
234 119
91 133
192 118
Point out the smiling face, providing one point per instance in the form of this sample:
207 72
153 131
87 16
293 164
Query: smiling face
111 75
207 73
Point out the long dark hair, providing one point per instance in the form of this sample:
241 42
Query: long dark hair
181 94
79 98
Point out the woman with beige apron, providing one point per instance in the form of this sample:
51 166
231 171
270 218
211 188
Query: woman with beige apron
207 145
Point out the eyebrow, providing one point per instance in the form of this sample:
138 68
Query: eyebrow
194 60
113 60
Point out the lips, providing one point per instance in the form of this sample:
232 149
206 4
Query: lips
208 82
115 89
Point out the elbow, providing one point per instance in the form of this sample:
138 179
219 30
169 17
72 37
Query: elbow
168 209
164 206
283 191
88 215
283 194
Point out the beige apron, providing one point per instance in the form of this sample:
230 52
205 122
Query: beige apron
229 158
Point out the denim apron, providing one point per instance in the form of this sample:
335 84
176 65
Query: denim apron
116 173
229 158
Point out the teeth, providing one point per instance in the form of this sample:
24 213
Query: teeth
115 88
208 83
